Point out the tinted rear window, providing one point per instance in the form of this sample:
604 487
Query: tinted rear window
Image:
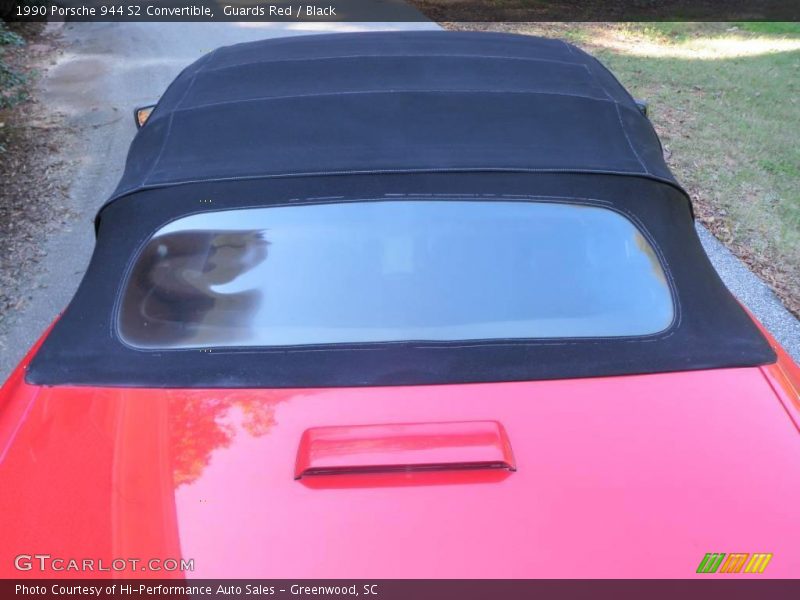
389 271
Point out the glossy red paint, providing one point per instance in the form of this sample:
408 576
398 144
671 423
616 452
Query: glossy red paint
784 377
634 476
403 447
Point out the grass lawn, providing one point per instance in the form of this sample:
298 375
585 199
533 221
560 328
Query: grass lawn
725 99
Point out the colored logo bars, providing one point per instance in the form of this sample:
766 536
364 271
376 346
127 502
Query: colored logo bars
714 562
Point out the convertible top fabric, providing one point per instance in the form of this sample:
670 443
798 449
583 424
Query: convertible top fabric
411 116
392 102
710 329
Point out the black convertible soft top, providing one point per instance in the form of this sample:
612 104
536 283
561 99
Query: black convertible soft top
392 102
415 116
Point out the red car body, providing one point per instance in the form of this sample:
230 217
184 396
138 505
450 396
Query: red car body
634 476
585 476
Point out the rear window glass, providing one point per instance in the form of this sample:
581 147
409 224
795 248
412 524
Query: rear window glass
384 271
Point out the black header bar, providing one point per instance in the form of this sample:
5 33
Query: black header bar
400 10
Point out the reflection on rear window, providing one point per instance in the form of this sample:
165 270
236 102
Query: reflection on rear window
392 271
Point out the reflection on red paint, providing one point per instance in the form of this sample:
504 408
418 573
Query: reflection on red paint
201 423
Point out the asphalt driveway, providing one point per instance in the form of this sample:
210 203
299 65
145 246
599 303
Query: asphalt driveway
108 68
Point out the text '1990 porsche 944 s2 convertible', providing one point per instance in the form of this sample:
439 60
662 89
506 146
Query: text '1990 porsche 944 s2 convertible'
416 304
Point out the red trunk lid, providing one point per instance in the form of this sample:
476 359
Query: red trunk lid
619 476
